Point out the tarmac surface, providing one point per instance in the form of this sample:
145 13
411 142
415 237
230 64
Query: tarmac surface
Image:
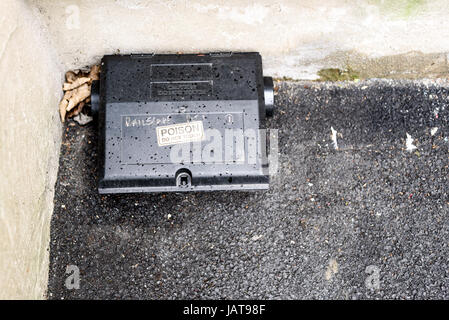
358 209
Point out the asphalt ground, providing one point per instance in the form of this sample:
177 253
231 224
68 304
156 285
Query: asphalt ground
369 219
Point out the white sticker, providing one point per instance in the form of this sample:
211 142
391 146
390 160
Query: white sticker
180 133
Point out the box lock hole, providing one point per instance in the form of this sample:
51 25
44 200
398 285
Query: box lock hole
183 178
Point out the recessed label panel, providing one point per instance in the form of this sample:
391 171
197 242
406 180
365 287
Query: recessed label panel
180 133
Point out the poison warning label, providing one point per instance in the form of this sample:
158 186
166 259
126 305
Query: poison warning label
180 133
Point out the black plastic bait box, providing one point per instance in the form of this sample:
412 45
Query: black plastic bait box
187 122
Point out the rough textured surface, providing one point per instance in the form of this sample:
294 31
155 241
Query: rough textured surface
394 39
29 146
331 218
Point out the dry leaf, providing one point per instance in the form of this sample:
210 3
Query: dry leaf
77 83
77 91
62 109
94 73
64 103
79 94
76 111
70 76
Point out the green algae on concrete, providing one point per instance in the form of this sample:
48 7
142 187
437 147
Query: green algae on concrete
335 74
400 8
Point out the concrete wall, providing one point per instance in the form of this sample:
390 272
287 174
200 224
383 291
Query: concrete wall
374 38
29 146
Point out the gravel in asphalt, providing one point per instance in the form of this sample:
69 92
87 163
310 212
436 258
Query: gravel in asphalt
369 219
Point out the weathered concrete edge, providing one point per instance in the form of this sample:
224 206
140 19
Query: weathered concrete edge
30 146
354 65
349 64
52 166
